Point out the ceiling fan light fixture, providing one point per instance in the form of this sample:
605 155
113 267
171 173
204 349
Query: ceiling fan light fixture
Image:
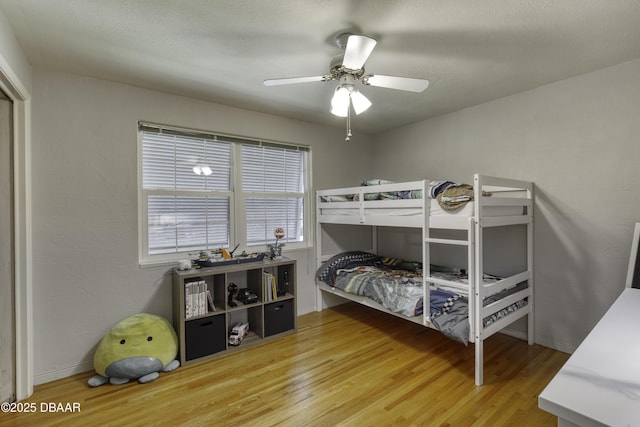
340 102
348 69
360 102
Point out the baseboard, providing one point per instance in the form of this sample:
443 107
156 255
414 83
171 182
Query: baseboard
515 334
56 374
553 343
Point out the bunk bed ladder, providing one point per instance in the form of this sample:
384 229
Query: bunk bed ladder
469 241
426 256
471 273
319 259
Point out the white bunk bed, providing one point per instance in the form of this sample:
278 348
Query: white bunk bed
510 203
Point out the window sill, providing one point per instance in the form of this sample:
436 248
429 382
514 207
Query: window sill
151 263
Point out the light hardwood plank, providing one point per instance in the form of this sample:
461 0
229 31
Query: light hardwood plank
349 366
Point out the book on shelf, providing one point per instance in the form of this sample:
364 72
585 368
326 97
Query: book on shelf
212 306
196 300
269 287
187 301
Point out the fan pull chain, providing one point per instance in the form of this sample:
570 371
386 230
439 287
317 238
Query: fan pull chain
348 138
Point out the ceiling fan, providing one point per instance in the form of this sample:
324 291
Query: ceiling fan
348 69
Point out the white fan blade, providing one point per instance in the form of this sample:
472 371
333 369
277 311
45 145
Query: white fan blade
357 51
401 83
293 80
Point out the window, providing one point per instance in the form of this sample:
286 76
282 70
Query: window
273 186
203 191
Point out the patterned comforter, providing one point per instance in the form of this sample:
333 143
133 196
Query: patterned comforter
399 291
397 286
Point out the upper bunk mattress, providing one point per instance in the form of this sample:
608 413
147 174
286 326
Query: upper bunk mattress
406 207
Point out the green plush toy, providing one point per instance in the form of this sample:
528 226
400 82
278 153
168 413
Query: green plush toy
138 347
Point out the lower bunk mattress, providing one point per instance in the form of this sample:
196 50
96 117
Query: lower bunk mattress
396 285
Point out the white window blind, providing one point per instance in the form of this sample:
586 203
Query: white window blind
185 211
182 211
273 183
168 162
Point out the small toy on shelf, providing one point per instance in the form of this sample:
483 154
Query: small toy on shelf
275 250
238 333
232 288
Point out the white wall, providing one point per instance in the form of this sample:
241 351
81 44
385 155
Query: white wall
13 62
578 140
85 262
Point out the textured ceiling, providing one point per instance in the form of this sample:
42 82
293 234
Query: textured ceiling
221 50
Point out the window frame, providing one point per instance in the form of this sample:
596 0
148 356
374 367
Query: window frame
237 197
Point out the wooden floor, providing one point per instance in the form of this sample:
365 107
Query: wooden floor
347 366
